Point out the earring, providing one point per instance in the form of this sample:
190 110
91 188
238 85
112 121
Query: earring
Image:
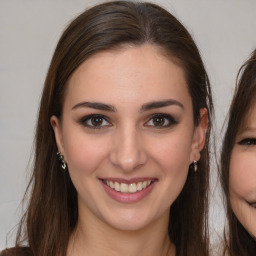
195 165
61 160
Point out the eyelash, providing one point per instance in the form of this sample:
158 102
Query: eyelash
248 142
161 116
170 119
84 121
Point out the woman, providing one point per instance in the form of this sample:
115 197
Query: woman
238 161
127 105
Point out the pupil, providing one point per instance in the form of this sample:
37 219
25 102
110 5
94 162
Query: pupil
158 121
97 121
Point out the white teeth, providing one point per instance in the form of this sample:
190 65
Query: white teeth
132 188
128 188
111 184
117 186
124 188
139 186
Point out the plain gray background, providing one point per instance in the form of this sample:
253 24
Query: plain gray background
224 30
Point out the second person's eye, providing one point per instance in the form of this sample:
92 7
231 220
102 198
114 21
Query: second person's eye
248 142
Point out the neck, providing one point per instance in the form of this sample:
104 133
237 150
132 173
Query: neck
92 237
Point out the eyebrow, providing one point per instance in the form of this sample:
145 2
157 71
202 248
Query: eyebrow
247 129
145 107
160 104
95 105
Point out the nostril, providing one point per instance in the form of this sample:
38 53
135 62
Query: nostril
127 161
128 151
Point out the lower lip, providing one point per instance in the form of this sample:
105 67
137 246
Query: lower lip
128 197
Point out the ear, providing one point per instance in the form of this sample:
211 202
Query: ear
56 125
199 135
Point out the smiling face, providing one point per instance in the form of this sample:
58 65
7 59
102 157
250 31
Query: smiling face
128 136
242 177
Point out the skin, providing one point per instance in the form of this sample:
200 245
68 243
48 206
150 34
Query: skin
127 145
243 174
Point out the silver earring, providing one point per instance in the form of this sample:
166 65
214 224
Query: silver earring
195 165
61 160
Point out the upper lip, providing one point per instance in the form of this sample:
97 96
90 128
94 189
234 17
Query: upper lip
129 181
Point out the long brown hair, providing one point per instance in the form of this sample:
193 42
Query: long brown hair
52 212
237 240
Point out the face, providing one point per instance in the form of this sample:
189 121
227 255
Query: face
243 175
128 136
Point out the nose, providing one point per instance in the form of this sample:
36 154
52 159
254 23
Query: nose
128 150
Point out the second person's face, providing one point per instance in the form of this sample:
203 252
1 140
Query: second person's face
243 174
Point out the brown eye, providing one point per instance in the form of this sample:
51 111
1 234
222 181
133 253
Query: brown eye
95 121
248 142
158 121
161 120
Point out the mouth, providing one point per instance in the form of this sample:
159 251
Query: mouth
252 204
128 187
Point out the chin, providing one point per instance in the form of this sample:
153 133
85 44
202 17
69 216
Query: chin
130 220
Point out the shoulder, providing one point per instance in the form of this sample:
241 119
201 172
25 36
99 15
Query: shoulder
16 251
3 253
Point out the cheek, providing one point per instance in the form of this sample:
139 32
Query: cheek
242 172
173 158
242 187
84 153
172 153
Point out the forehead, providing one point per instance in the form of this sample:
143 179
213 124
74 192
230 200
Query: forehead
130 72
249 121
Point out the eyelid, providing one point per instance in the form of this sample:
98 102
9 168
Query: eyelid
169 119
84 120
172 121
247 142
